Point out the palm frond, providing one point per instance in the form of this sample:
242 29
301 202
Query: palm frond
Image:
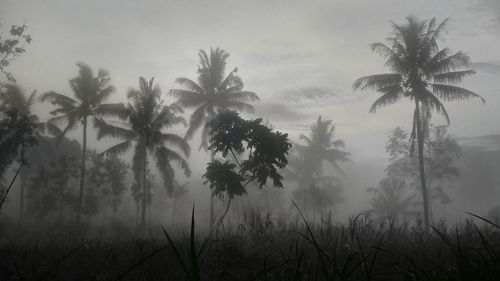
454 93
452 77
177 141
186 98
58 99
394 61
190 85
375 82
390 97
108 130
196 120
118 148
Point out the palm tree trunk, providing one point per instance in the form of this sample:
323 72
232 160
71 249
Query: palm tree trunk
144 190
83 170
420 140
212 215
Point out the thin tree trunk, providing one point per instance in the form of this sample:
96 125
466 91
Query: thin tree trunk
21 196
10 185
144 190
420 139
61 203
212 215
83 171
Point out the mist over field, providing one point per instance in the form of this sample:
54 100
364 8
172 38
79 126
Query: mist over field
259 140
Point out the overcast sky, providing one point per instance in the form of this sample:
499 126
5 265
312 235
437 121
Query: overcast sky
301 57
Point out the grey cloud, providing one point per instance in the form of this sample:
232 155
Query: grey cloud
492 67
318 96
279 112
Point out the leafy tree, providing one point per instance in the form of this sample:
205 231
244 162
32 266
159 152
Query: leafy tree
440 155
54 171
422 73
213 92
90 93
116 171
11 47
146 119
267 151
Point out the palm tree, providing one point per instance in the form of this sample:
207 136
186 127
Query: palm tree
213 92
423 73
146 118
89 94
320 146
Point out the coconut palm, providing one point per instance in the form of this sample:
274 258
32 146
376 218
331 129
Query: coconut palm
213 92
147 118
320 146
89 94
422 73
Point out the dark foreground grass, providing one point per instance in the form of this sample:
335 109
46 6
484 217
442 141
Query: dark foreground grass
261 249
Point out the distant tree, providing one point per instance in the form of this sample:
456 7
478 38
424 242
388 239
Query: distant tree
440 155
390 201
12 96
213 92
89 94
17 134
11 47
51 187
230 134
146 120
116 171
422 73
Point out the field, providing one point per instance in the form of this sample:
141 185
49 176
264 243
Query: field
258 249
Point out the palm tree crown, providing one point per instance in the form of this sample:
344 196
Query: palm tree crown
147 117
420 70
213 92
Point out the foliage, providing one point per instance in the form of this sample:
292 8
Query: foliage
389 199
17 133
440 155
267 150
12 46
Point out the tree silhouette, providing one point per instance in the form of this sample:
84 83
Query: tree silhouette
146 118
89 94
12 96
389 199
213 92
422 73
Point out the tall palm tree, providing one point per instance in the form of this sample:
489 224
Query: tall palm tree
147 118
422 73
90 93
213 92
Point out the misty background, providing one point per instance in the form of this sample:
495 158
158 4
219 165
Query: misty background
300 58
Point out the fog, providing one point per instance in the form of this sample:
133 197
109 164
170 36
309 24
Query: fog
295 66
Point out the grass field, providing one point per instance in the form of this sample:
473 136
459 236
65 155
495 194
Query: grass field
258 249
